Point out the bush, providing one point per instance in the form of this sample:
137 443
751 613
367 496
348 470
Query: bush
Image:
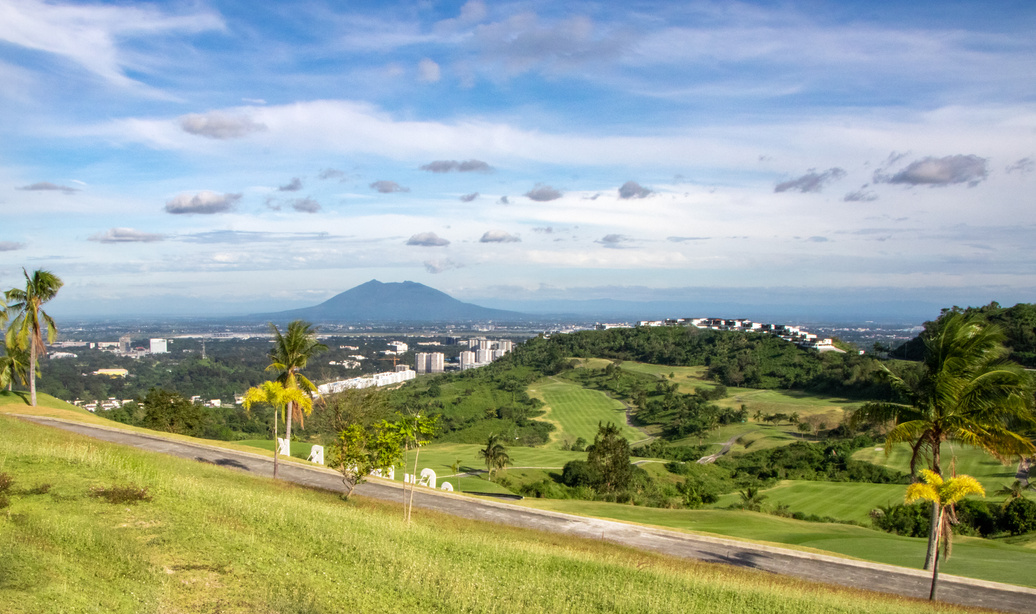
6 481
1019 516
579 473
121 494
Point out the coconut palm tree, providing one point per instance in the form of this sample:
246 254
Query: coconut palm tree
495 454
291 351
14 364
943 494
279 397
1013 491
30 320
967 392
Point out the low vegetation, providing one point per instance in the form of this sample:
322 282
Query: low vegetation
213 539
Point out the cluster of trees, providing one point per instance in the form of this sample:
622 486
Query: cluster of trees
1018 325
1014 516
23 342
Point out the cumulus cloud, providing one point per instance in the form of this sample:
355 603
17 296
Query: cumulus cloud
931 171
544 230
305 205
543 193
438 266
10 246
449 166
292 186
467 198
860 196
125 235
46 186
498 236
427 239
204 202
219 125
614 241
388 187
428 71
331 173
1023 166
683 239
811 181
632 189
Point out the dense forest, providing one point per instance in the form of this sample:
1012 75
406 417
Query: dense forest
1018 324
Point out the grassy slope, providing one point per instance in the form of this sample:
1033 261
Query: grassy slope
577 411
971 461
215 540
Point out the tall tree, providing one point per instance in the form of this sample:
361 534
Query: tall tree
943 494
30 320
279 397
14 364
290 354
967 392
494 454
610 456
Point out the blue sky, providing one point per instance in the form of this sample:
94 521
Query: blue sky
221 157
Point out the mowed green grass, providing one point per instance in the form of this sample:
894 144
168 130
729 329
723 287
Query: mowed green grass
993 560
212 539
963 459
577 411
840 500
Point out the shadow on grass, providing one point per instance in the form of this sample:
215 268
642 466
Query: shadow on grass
21 394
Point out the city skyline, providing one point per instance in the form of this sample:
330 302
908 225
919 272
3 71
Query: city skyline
222 158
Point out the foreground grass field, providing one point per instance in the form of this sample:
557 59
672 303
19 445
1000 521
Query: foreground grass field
208 539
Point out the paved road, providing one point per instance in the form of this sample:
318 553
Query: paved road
829 569
705 460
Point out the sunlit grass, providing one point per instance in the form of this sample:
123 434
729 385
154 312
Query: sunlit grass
213 539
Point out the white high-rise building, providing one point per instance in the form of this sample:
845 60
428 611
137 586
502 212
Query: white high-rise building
484 356
159 346
429 362
467 360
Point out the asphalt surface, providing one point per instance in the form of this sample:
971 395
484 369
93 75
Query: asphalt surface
820 568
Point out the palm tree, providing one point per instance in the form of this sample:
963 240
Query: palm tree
1014 491
291 351
279 397
967 392
752 499
943 494
14 364
495 454
30 319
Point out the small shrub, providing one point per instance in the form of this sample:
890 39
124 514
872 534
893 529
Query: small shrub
6 481
4 501
121 494
39 489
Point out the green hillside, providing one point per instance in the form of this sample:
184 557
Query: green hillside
208 539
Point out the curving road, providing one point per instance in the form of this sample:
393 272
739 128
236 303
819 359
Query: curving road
821 568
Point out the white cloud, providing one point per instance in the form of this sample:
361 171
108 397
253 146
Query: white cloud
90 35
428 71
498 236
125 235
427 239
217 125
204 202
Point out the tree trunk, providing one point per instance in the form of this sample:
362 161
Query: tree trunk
290 409
935 568
32 372
933 528
413 483
276 449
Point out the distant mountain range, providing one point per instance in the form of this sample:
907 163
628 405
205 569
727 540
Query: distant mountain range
406 301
